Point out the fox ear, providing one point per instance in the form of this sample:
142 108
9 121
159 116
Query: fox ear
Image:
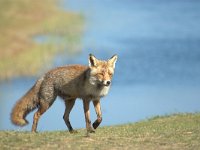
112 60
92 61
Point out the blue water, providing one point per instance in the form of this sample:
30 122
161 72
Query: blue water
158 70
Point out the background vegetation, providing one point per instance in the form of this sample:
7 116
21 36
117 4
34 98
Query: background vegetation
22 22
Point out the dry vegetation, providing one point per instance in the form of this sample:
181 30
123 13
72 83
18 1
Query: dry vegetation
21 21
171 132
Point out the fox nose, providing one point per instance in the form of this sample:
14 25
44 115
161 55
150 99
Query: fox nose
108 83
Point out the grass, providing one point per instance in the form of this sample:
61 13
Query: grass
180 131
21 21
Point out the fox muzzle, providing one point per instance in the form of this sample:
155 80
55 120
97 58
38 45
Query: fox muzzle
106 83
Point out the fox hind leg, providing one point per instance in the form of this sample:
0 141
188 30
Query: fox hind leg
41 110
69 103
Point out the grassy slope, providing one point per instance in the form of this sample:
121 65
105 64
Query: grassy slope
172 132
20 21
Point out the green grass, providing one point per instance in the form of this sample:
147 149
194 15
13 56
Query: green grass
180 131
22 20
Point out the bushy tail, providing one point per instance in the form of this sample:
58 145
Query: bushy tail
25 105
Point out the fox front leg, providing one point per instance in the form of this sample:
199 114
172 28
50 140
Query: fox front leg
97 107
86 104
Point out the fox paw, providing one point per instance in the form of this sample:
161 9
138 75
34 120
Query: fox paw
34 132
73 131
90 130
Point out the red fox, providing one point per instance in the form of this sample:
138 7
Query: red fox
88 83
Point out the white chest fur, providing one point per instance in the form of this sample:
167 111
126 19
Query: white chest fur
96 91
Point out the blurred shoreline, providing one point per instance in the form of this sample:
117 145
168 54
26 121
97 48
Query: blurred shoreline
24 21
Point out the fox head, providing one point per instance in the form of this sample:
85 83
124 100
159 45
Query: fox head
101 71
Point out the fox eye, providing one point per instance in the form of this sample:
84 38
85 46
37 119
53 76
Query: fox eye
100 74
110 74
